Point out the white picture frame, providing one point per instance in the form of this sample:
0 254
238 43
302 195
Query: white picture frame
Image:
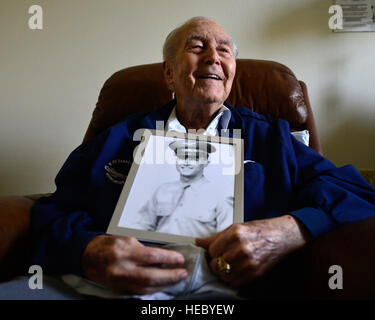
151 174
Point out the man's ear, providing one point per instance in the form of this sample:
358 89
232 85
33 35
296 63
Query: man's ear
168 74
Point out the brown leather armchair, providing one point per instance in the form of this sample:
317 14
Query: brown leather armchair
266 87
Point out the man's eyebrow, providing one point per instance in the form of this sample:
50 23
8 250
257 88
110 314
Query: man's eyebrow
226 42
195 37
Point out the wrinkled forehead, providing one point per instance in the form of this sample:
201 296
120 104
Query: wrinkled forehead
204 30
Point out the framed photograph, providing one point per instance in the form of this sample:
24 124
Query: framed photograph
179 187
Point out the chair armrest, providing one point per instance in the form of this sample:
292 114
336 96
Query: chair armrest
14 229
352 247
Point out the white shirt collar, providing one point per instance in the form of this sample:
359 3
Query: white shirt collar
173 124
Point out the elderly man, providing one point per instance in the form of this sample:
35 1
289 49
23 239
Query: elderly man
291 193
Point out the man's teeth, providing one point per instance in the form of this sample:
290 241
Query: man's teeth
211 76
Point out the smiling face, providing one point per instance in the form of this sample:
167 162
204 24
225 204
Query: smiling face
204 66
190 168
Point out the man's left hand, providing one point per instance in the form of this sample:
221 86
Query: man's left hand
252 248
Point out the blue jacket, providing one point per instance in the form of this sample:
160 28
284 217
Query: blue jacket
286 177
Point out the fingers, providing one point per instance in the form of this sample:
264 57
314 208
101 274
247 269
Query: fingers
130 249
242 272
206 242
233 257
156 277
146 280
251 249
124 265
235 245
157 256
219 243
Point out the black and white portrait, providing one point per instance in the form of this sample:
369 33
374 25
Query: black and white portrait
182 187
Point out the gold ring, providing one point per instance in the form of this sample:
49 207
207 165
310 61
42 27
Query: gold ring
222 266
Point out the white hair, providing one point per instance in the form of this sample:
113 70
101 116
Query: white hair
171 42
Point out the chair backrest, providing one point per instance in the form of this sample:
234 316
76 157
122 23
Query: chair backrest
266 87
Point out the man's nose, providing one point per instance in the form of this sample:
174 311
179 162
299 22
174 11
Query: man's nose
211 56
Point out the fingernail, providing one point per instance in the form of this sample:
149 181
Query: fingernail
183 274
180 259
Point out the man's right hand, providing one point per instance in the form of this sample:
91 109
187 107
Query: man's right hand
127 266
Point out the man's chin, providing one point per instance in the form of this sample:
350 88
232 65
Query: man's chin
211 99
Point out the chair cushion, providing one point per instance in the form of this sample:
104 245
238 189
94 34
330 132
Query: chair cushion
271 89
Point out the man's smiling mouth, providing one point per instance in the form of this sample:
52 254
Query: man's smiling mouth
210 76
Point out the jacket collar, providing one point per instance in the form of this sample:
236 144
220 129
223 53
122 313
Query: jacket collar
158 115
162 114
